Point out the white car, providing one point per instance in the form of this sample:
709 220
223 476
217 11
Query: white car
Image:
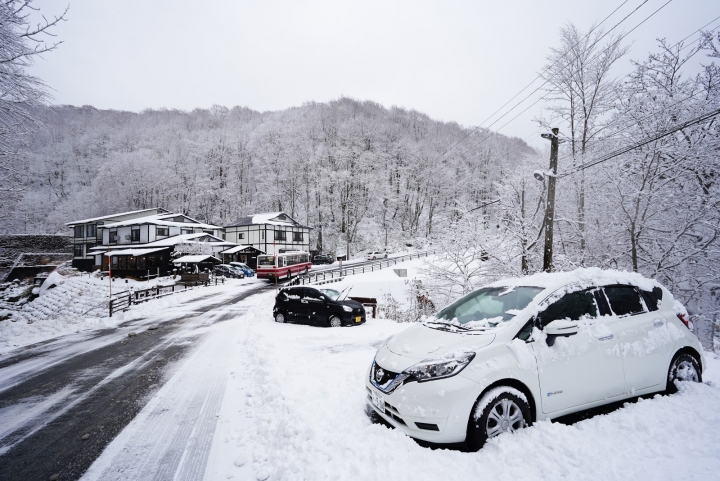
523 350
376 255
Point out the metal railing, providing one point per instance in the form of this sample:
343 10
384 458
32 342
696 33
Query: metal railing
315 277
123 300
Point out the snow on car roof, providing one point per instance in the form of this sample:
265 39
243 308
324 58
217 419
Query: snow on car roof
582 277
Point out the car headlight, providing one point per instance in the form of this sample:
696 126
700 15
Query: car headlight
347 308
440 368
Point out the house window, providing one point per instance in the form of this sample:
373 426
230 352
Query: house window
88 247
122 263
186 231
141 262
297 236
241 235
78 250
114 262
162 231
78 231
90 230
280 235
113 236
132 262
135 234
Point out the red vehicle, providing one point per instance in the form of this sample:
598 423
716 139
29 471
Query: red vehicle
283 266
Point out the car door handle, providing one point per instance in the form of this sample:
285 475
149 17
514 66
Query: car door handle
658 322
606 338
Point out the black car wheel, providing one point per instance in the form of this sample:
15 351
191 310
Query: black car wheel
683 368
503 410
280 317
334 321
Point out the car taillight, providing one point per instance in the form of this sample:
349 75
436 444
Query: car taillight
685 320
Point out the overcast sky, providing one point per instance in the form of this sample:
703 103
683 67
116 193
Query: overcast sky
454 60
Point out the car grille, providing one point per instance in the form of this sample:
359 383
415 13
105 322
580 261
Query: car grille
384 380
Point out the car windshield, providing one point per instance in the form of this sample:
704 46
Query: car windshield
331 293
487 307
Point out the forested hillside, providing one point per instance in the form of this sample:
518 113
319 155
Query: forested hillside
356 172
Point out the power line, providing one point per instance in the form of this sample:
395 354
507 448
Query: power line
548 80
619 128
536 78
641 143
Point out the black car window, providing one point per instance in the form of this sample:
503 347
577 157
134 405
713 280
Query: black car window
574 306
294 293
313 295
652 298
624 300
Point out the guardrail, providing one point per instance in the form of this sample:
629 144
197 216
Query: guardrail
315 277
123 300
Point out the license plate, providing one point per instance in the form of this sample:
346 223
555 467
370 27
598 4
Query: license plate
378 400
358 319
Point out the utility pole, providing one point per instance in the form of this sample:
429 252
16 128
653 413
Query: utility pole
550 206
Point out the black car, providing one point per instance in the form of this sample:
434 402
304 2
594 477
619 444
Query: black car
326 307
323 259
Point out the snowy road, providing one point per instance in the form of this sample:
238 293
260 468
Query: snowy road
95 383
260 400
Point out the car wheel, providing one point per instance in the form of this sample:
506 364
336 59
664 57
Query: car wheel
501 410
280 317
334 321
683 368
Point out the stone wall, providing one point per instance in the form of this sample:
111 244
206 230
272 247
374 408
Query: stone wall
12 246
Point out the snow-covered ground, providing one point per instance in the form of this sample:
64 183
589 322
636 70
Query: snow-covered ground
79 304
260 400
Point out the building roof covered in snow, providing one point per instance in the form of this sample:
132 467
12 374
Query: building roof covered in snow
269 218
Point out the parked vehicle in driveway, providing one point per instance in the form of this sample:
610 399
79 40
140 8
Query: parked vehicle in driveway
376 255
229 271
315 305
323 259
244 268
523 350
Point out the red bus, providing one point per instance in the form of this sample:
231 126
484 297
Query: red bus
283 265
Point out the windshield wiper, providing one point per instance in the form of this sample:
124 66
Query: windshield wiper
457 326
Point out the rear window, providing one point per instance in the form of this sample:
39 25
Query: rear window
624 300
266 260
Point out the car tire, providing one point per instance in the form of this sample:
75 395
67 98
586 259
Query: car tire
334 321
280 318
502 409
683 368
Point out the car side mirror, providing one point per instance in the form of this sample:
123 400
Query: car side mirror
562 327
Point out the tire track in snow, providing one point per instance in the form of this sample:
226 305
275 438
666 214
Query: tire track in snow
171 437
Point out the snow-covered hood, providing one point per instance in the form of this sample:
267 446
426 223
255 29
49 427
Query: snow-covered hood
421 342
